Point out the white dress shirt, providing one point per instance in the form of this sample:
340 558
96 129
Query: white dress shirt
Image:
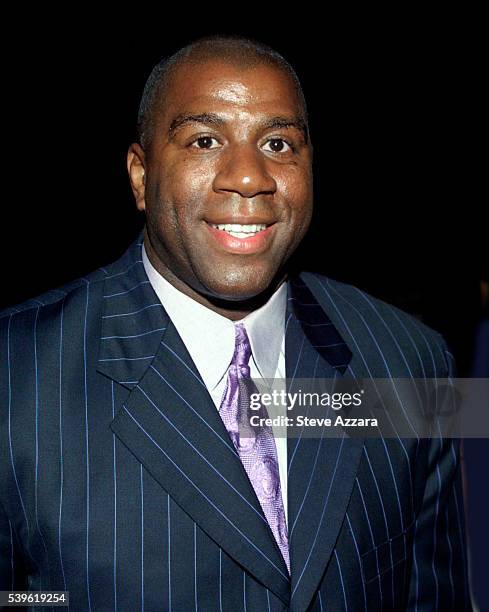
210 339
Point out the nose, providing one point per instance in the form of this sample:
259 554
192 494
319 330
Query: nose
242 169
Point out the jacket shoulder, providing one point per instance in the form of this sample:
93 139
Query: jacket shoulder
358 313
73 309
78 286
55 295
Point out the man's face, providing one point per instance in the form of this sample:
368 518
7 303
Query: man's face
228 150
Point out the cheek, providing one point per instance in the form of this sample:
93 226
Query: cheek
295 182
179 194
190 184
190 176
296 187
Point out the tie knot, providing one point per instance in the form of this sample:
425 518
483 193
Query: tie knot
242 348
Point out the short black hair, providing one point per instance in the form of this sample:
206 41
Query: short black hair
238 50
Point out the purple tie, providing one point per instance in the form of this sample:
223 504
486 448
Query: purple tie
256 449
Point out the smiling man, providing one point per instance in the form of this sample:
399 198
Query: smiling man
224 175
124 478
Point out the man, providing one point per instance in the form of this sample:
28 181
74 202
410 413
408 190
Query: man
123 477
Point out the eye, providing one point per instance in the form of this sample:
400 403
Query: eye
278 145
205 142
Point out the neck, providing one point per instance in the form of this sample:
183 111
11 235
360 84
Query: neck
233 310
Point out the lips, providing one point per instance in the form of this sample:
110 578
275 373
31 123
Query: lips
241 238
239 230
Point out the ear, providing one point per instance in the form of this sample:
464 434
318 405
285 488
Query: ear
136 168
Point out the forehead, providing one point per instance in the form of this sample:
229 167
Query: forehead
257 89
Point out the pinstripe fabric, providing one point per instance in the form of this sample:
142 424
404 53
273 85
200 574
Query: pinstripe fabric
119 483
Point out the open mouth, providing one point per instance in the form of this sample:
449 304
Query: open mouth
238 238
240 231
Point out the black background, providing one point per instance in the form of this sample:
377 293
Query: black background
395 118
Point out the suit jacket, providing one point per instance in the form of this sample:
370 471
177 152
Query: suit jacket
120 484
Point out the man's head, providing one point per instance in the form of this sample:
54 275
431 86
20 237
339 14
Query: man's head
223 142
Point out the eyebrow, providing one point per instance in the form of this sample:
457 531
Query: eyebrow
217 121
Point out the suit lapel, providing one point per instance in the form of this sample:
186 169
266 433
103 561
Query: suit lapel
170 423
321 472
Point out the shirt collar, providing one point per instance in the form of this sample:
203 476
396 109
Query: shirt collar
209 337
266 328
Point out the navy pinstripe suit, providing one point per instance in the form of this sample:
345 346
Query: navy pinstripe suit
119 483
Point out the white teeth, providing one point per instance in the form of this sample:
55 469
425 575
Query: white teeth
241 234
240 231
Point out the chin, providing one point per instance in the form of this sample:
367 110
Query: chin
236 286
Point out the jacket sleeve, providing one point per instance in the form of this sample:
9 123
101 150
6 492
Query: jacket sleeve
439 577
13 576
12 572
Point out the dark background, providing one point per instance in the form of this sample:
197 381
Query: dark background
395 121
396 107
